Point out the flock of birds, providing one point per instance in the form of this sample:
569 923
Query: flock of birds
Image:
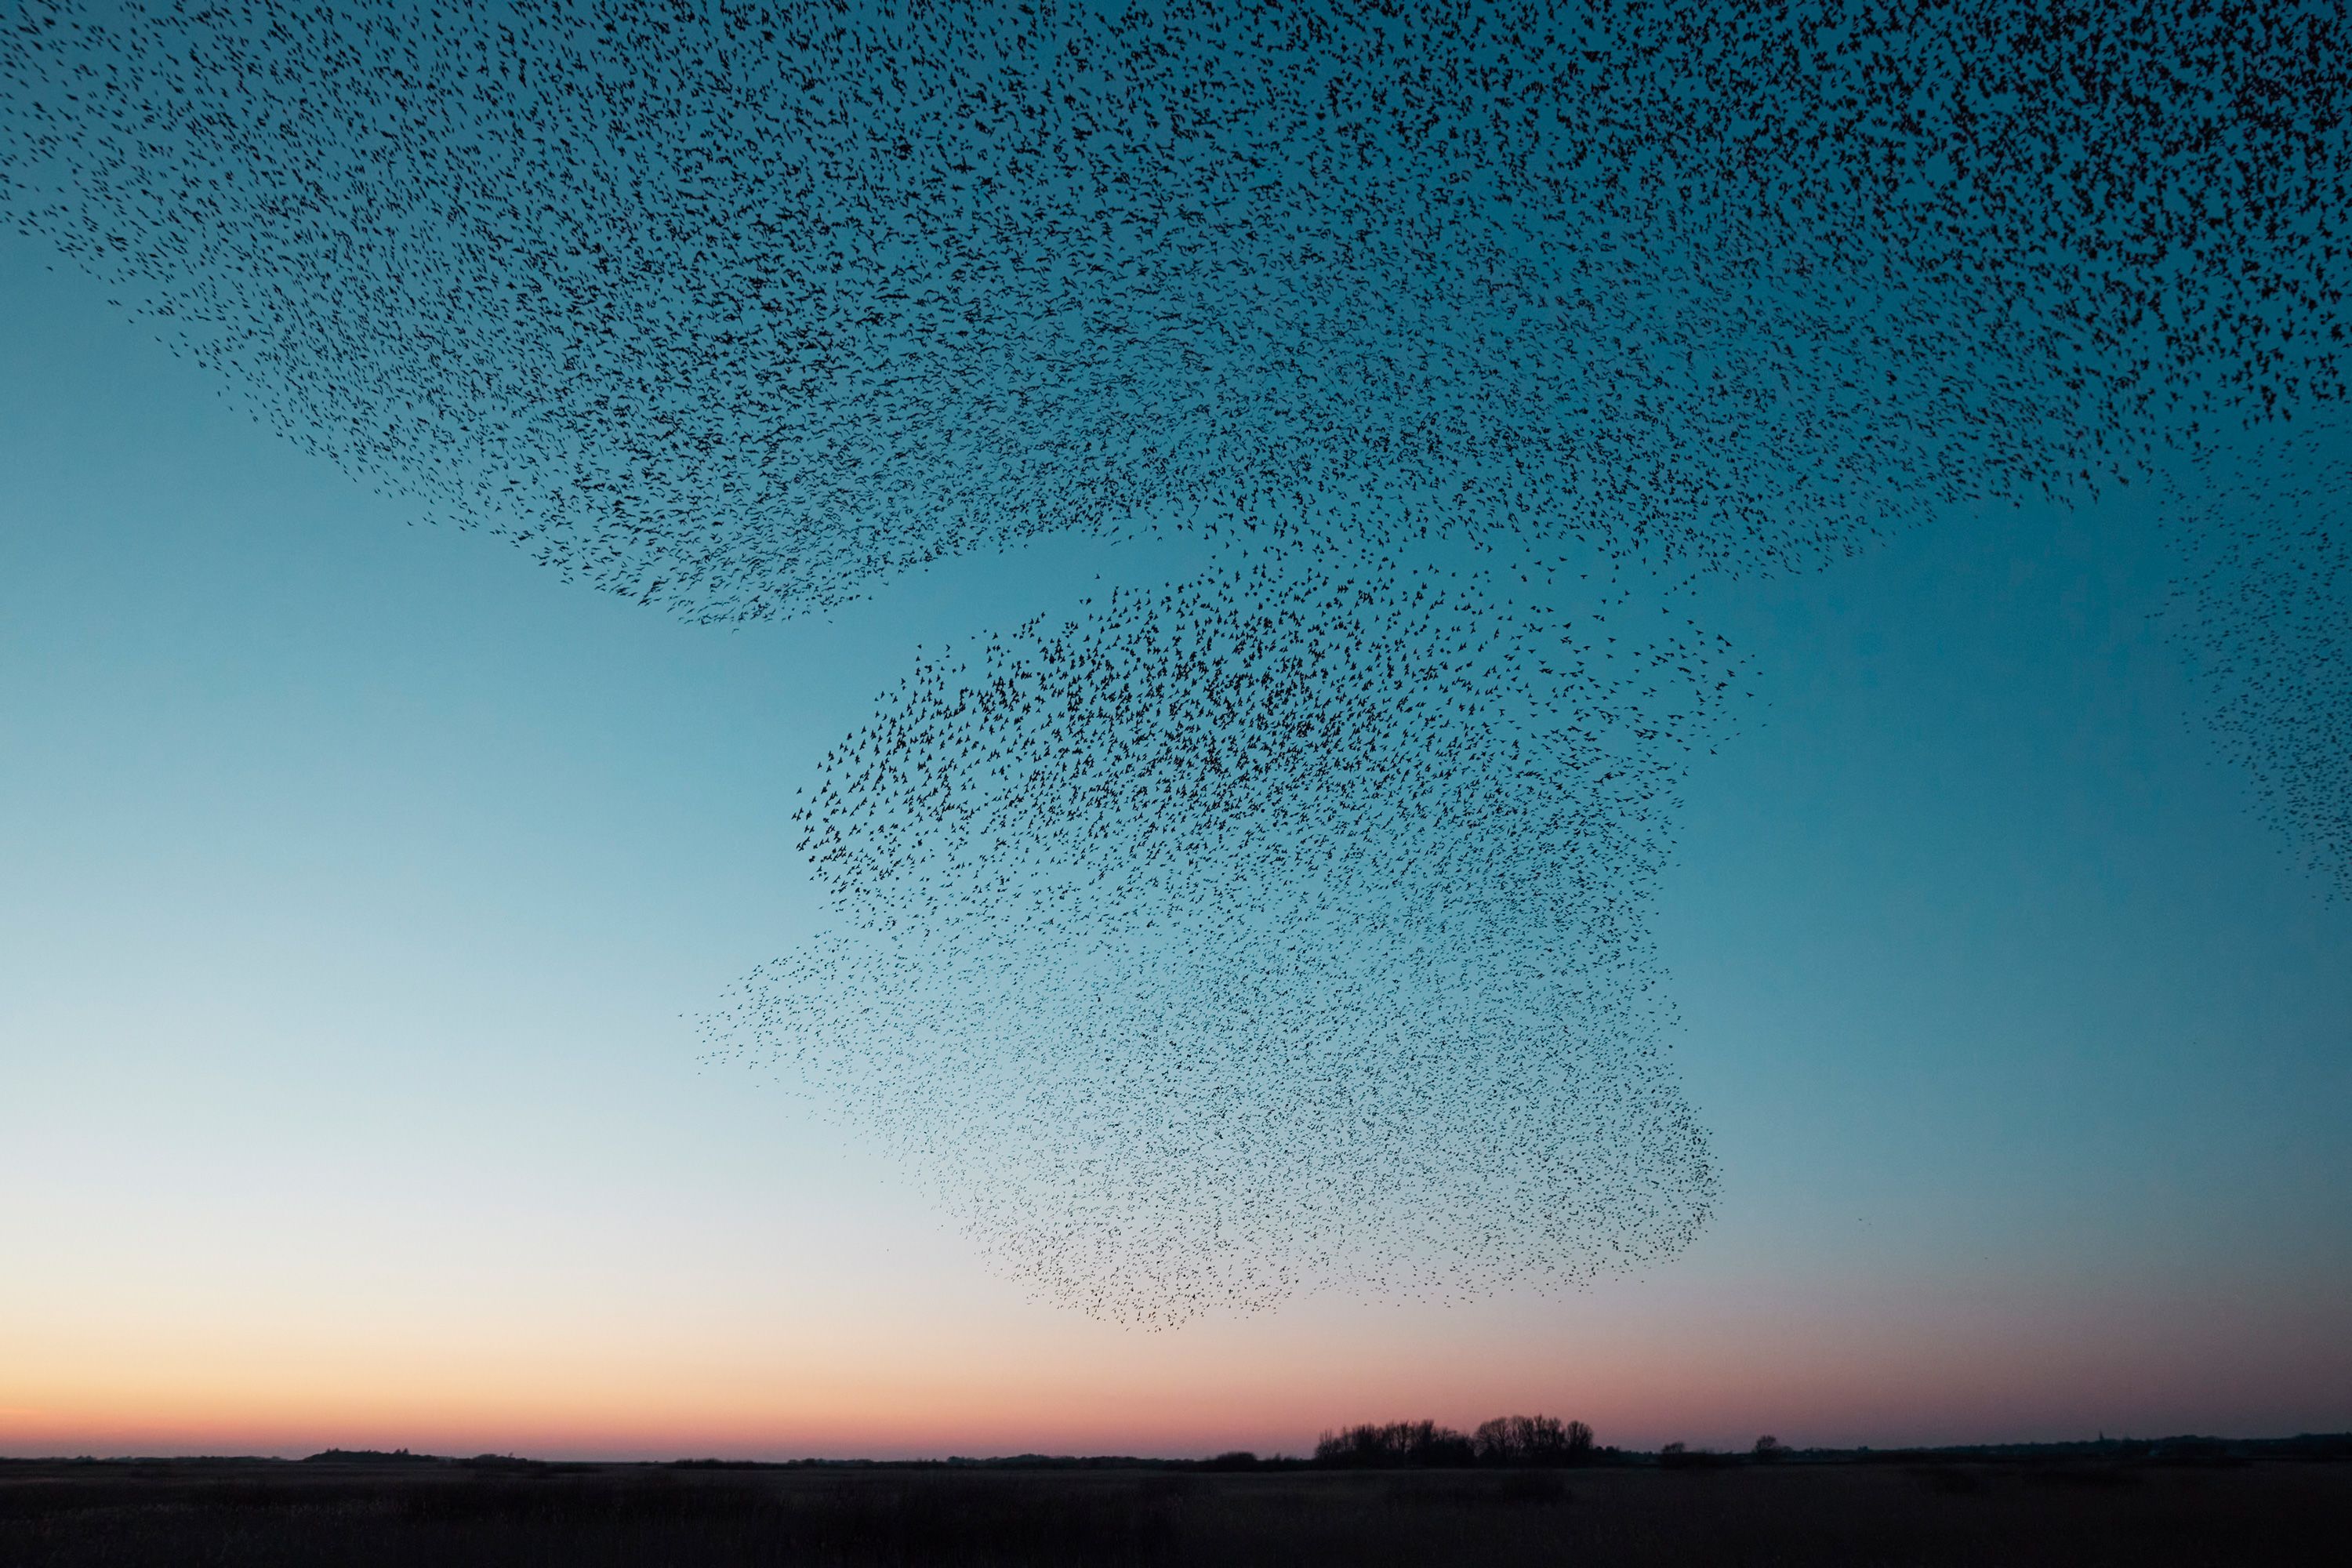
1283 925
1278 930
2263 604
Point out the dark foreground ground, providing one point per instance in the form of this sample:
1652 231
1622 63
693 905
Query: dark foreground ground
129 1515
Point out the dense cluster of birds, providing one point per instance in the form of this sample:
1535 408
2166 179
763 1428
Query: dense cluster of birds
733 306
1283 923
1274 931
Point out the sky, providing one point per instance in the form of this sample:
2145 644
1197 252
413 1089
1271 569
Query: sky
361 881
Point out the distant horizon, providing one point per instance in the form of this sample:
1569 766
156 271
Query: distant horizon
1301 1454
2105 1440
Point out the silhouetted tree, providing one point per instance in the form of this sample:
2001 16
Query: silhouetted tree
1497 1441
1399 1443
1532 1440
1771 1450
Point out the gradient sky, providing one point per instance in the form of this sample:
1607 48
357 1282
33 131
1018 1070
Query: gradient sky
358 881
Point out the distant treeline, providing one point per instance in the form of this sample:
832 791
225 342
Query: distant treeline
1509 1441
1539 1441
1513 1440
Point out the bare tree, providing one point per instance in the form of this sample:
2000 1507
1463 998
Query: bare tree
1532 1440
1413 1443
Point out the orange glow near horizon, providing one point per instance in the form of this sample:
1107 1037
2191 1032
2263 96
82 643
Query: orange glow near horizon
1069 1386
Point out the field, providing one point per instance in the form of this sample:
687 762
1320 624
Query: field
260 1514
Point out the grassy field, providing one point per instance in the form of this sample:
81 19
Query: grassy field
262 1514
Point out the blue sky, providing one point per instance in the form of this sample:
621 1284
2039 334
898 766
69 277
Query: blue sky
361 877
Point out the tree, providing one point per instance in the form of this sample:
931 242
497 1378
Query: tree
1526 1440
1771 1450
1532 1440
1413 1443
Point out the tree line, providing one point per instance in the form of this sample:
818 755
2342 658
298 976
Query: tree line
1512 1440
